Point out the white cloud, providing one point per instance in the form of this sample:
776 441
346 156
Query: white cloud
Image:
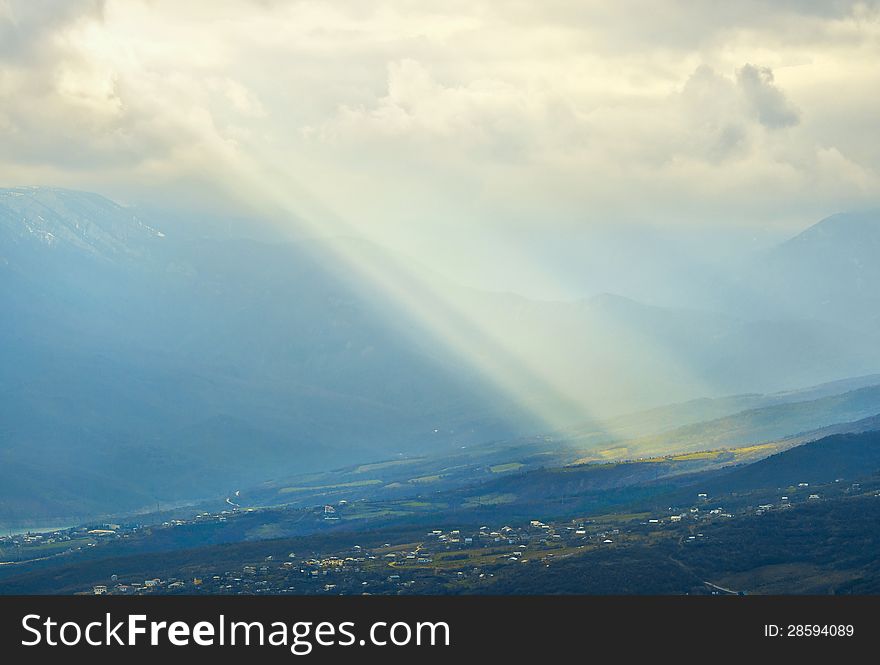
769 103
465 113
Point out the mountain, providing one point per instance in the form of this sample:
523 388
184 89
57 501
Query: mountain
138 367
616 355
828 272
759 425
852 456
143 360
654 422
69 220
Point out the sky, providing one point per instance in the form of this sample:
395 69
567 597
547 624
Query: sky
499 143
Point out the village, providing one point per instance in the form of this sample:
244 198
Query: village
38 546
417 560
456 559
455 556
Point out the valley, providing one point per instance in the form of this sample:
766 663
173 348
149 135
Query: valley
801 520
142 355
242 415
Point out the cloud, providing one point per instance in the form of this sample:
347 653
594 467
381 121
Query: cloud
469 112
84 106
768 102
28 30
488 118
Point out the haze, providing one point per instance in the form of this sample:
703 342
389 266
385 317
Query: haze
576 209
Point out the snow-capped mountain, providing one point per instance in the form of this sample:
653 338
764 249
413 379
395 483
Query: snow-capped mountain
70 220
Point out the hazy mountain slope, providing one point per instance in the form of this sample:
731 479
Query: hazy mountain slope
184 365
616 355
828 272
610 355
668 417
138 366
758 425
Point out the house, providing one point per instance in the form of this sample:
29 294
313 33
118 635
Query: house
100 589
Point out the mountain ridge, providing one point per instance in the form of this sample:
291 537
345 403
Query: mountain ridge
164 335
